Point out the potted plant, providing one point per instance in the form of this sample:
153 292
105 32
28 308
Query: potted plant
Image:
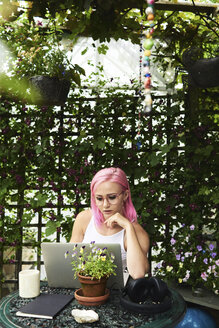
93 266
41 59
52 78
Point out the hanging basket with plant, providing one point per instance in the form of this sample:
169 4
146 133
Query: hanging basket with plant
42 60
52 83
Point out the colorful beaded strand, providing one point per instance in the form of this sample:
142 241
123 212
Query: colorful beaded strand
140 90
147 46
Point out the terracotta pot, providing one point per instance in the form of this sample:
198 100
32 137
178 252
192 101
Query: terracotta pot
92 287
91 301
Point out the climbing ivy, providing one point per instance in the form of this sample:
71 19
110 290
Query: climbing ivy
48 155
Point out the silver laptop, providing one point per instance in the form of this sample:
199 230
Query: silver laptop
59 270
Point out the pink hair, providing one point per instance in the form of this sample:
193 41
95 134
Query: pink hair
113 175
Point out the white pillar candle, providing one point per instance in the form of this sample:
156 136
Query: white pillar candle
29 283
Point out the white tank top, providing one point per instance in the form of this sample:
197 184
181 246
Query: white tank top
91 234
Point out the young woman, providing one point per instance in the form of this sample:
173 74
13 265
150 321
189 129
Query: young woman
112 219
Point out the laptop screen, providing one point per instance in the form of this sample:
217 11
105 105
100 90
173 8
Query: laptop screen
59 269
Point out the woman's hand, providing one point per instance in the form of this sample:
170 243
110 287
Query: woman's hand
117 219
136 243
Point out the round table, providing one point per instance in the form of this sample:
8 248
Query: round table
111 314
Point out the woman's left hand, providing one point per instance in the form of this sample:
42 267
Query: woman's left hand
117 219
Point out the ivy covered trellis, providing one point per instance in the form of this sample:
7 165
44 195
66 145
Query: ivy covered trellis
49 155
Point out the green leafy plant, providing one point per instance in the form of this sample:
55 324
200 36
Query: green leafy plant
95 262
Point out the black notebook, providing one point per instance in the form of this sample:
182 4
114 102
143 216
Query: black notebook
45 306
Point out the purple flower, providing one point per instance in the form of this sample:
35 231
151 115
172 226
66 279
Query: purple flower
18 179
204 276
60 197
172 241
66 254
205 261
193 206
1 209
178 257
176 196
52 216
211 247
5 130
199 248
213 255
192 227
28 121
11 261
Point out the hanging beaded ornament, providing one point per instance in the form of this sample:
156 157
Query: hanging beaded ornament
148 43
140 91
147 46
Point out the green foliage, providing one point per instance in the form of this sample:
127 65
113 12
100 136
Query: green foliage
48 155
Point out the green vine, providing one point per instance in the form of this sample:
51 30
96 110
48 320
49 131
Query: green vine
48 155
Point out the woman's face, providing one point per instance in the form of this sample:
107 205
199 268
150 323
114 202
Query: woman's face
109 198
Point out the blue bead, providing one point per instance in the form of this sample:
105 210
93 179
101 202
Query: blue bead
138 144
147 75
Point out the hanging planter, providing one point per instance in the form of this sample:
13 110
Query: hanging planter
202 71
49 91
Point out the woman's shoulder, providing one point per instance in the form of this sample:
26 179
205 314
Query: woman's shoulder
84 215
80 225
139 229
